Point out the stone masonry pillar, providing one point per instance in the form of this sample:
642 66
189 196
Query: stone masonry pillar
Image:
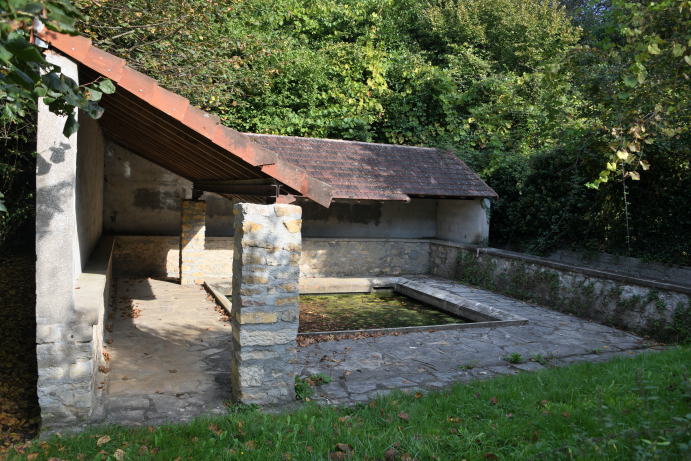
192 234
268 244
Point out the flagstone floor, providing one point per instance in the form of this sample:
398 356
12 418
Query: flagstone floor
170 355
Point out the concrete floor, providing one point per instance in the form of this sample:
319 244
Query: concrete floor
173 361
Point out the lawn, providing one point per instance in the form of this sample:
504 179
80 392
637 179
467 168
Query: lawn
629 408
367 311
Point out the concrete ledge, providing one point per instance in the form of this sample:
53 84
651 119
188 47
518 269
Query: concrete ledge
92 287
333 285
220 298
607 275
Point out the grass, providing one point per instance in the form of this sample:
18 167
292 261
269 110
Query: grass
629 408
367 311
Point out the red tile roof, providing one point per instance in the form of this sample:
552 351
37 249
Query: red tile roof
368 171
164 128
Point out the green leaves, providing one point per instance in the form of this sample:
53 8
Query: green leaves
71 126
107 86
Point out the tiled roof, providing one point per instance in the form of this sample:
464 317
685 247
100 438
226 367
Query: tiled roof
369 171
167 130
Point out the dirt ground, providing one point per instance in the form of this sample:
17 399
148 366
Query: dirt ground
19 410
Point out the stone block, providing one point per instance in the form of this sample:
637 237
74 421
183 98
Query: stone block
257 317
286 210
290 315
81 370
246 337
293 225
289 300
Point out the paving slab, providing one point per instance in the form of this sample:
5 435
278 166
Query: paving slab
430 360
175 355
172 361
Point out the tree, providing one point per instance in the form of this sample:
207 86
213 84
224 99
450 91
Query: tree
26 76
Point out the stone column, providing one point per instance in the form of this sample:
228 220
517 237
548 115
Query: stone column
192 234
63 348
268 244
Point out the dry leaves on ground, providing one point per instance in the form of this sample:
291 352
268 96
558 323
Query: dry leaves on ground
19 410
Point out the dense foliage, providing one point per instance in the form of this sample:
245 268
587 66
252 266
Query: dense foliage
540 99
25 78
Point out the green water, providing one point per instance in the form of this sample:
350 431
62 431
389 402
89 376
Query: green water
367 311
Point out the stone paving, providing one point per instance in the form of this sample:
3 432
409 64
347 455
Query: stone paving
172 362
179 330
364 367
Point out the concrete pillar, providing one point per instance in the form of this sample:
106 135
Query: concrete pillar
268 245
64 353
192 235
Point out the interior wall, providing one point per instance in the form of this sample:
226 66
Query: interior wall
88 189
369 219
463 221
142 198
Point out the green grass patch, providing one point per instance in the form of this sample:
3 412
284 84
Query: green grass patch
367 311
629 408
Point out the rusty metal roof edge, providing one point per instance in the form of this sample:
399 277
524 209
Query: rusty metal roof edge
239 144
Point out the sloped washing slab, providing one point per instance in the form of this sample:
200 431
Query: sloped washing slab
481 315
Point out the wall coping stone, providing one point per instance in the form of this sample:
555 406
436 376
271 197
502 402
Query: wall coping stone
91 285
654 283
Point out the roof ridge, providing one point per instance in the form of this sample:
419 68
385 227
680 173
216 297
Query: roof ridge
251 135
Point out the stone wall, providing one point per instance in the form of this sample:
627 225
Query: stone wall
633 266
321 257
141 198
265 309
342 257
643 305
192 237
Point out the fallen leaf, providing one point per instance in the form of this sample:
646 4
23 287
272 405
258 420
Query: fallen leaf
565 414
215 429
543 403
490 455
152 429
103 440
477 395
125 378
159 392
404 416
418 395
493 400
347 449
120 455
32 456
143 450
172 371
103 369
391 454
337 456
509 415
250 444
